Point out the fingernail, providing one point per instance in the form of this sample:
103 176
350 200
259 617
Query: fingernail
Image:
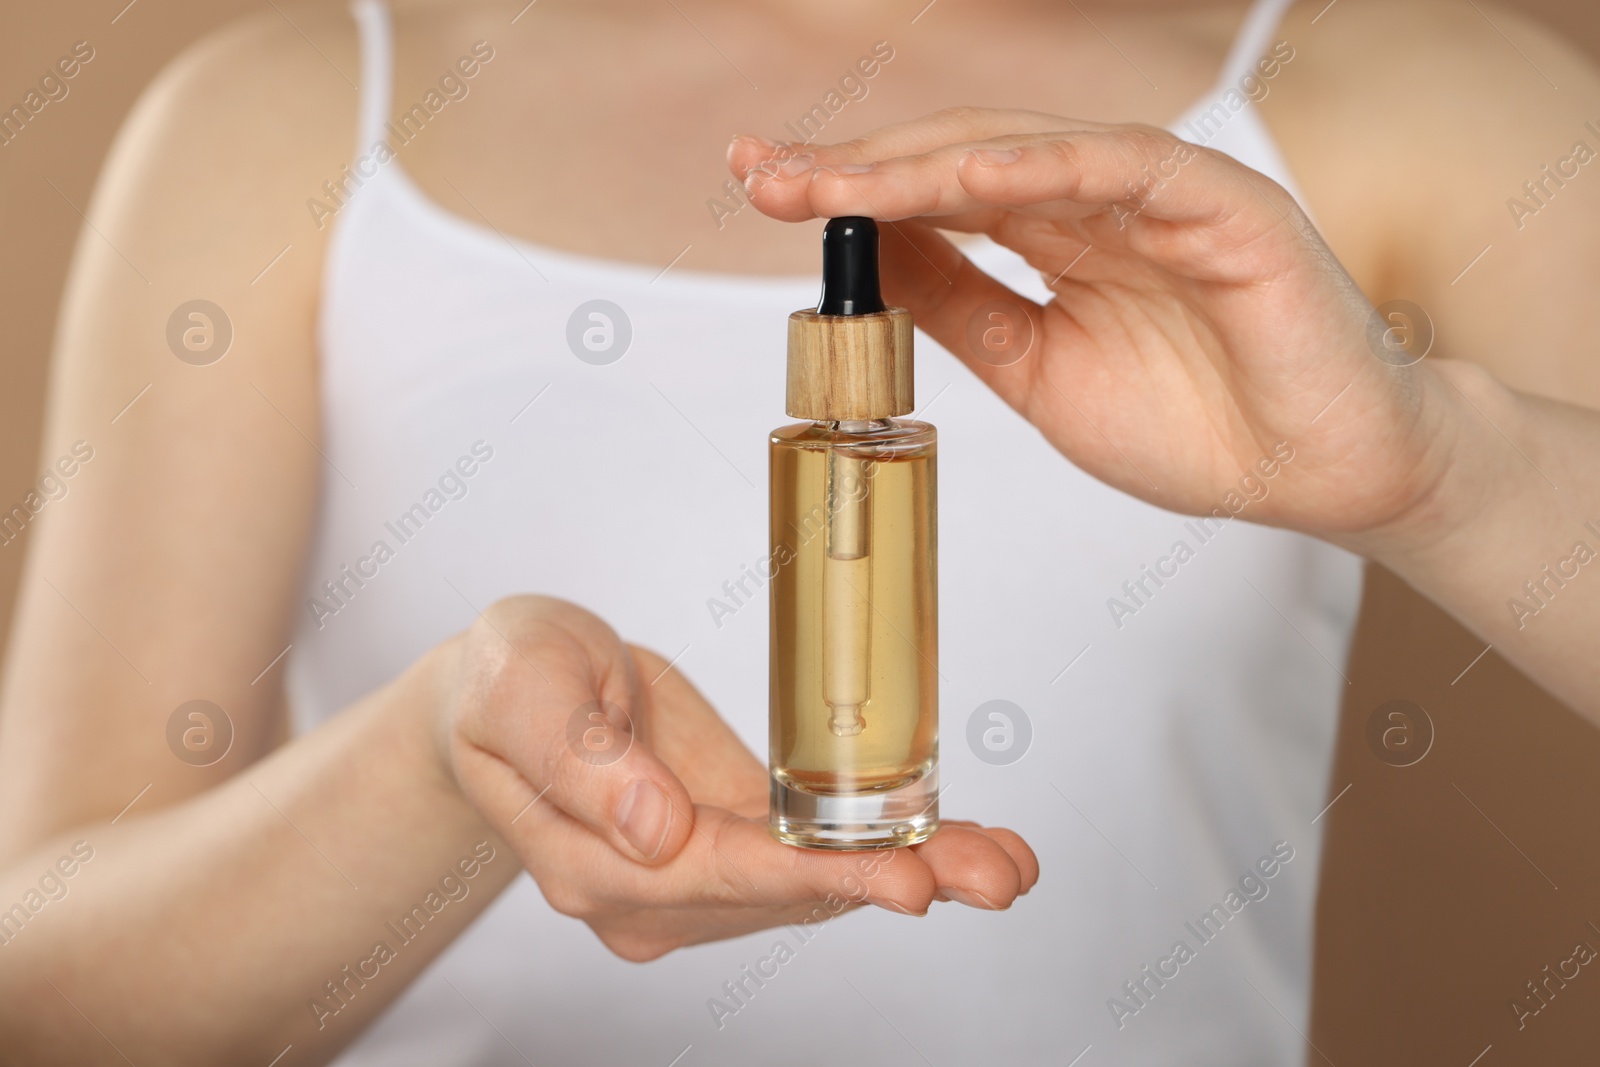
995 157
971 898
844 168
643 814
765 145
797 165
889 905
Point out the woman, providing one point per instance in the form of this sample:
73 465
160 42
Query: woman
402 341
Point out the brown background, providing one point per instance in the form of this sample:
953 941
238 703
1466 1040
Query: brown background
1447 885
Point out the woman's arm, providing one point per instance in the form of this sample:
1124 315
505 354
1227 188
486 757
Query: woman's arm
1509 540
287 906
157 911
207 906
1206 352
293 903
168 569
1485 213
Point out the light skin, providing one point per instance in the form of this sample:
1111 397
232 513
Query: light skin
1199 324
172 570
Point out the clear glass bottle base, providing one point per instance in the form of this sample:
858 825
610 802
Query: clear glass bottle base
892 818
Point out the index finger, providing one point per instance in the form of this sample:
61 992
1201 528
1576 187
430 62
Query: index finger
951 126
1139 188
748 867
734 862
728 862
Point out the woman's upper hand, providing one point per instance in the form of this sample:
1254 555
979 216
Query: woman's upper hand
638 810
1200 329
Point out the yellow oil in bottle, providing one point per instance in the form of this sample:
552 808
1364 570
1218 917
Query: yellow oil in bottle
854 639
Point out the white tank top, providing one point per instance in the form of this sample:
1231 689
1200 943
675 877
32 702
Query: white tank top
1171 747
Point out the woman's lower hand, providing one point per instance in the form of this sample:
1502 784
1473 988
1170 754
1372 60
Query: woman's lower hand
636 808
1200 330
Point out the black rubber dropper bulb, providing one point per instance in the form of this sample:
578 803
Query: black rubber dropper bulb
850 267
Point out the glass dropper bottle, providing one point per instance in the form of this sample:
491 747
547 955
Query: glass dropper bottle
854 652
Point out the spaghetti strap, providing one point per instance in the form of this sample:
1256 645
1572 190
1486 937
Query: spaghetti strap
1254 38
377 69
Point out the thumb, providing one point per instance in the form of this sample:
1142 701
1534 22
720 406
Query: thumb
606 777
551 711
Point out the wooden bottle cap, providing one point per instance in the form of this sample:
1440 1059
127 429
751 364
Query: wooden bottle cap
849 367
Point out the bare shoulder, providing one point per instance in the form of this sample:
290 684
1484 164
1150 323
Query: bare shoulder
289 61
1469 68
1446 151
1395 110
253 115
206 182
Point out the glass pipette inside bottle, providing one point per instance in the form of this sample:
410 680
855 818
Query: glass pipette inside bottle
846 580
